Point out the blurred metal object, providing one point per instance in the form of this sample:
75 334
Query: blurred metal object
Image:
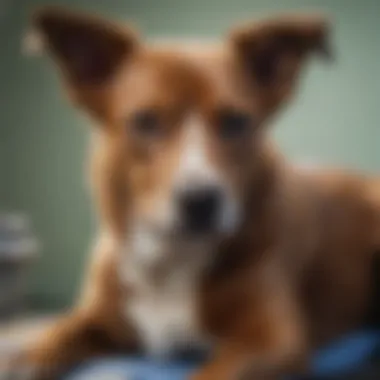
18 249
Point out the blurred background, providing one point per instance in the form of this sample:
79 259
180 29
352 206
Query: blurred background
335 119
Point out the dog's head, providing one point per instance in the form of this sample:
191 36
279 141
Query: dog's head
185 126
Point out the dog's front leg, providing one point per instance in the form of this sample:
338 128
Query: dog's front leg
70 341
97 326
265 343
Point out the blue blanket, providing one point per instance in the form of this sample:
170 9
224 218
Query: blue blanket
342 356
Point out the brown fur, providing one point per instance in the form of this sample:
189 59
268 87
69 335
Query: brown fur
298 272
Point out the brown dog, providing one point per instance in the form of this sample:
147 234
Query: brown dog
208 237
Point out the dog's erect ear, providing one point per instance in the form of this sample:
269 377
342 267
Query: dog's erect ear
87 48
272 51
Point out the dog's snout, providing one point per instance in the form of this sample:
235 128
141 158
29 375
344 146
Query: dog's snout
199 208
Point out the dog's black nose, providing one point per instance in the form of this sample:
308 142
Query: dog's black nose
199 209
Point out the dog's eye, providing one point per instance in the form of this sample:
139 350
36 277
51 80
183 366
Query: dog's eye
146 124
233 124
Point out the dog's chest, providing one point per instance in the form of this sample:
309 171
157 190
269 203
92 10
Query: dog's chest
164 310
166 320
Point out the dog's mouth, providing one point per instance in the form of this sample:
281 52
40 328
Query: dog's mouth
185 234
182 232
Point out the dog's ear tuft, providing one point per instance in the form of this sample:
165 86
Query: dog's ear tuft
87 48
273 50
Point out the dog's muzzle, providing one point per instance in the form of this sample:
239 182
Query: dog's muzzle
199 209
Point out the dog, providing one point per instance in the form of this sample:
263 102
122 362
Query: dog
208 237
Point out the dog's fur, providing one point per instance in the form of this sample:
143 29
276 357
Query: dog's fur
292 271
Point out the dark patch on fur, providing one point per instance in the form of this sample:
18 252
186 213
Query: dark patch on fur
372 319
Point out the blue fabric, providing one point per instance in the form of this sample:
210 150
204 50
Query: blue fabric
344 355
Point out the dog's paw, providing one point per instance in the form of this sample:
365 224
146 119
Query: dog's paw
18 367
18 373
13 368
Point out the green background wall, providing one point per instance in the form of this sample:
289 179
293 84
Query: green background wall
335 118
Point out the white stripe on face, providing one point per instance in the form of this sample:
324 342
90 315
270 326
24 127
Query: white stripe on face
194 163
196 171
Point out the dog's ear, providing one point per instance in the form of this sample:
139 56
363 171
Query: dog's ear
273 51
88 49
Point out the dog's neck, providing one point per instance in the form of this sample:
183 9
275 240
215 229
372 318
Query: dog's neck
158 260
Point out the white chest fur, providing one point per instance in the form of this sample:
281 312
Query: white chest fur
164 304
166 320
